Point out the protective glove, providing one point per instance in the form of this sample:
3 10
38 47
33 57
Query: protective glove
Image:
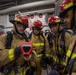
45 61
58 67
31 71
17 51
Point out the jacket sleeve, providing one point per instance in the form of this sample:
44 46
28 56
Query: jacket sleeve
71 45
5 55
47 47
67 39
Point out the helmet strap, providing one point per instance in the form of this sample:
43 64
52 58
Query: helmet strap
58 27
73 18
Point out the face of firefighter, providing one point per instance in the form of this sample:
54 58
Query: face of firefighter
20 28
67 18
36 31
54 29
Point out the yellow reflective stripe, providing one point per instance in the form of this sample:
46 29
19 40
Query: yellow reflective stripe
74 55
64 63
48 55
57 21
24 72
11 54
17 19
38 44
69 53
68 5
39 55
55 59
54 48
60 48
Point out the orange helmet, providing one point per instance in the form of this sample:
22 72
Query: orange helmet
37 24
65 5
22 19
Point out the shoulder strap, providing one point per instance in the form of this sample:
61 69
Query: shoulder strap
70 31
8 40
30 35
62 42
26 38
44 44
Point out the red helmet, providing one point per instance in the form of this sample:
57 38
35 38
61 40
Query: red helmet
53 19
26 48
37 24
22 19
65 5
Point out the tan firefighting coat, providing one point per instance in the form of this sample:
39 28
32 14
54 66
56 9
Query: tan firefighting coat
56 42
7 56
38 42
71 45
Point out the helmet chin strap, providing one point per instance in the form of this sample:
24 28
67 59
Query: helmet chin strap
58 27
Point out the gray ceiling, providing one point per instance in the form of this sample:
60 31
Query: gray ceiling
7 6
9 3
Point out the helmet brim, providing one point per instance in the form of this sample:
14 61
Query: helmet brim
56 23
35 27
14 22
62 14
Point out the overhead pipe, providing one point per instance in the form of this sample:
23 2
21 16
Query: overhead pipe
4 5
40 11
25 6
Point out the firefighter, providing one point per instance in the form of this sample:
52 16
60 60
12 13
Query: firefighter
68 10
41 45
61 42
12 61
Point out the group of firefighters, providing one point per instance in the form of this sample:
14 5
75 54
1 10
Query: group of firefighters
22 55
